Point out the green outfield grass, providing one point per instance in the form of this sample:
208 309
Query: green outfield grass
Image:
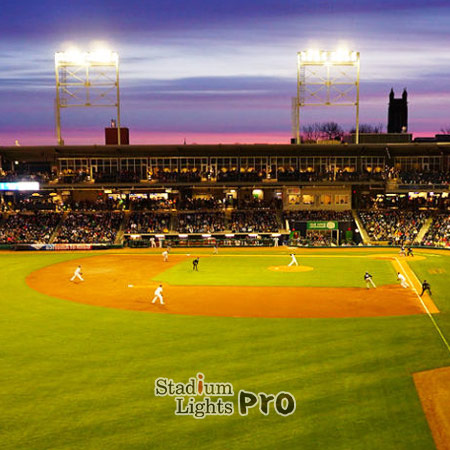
247 270
73 376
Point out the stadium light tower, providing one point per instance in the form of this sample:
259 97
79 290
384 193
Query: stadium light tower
86 79
326 78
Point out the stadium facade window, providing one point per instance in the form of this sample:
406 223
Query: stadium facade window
73 164
308 199
418 163
373 164
341 199
325 199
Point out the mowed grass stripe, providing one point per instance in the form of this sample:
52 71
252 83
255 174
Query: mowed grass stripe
328 272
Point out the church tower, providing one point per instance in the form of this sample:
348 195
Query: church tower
398 113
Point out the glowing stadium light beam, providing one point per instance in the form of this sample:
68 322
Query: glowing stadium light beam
340 56
74 56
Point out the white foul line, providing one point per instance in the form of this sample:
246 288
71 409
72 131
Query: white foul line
424 306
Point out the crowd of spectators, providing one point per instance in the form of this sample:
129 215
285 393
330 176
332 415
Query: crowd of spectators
12 176
122 176
201 222
328 175
73 177
313 239
438 235
194 204
185 176
395 226
36 227
317 239
260 221
100 204
28 204
421 177
258 203
99 227
244 176
194 175
148 222
151 204
407 202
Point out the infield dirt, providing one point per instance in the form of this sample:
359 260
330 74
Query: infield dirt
107 280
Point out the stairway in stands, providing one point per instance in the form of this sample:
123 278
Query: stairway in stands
58 227
228 218
360 226
279 214
121 231
174 221
423 231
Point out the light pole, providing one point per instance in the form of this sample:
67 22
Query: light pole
86 79
327 78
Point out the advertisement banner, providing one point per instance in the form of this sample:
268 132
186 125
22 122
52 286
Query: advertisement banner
322 225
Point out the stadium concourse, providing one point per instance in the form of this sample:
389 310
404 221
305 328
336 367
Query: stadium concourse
231 195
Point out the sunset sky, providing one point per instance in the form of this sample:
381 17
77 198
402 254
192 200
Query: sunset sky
219 71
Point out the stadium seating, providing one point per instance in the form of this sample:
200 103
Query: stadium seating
28 228
148 222
393 226
438 235
100 227
201 222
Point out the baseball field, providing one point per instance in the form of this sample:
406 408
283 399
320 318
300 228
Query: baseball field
367 367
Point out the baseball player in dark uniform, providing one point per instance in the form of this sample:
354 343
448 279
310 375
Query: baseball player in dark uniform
368 280
425 287
409 252
195 264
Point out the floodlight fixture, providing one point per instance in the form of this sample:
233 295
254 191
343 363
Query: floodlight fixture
326 78
339 56
76 57
86 79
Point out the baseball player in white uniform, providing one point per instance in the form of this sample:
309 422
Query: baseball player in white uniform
402 280
293 260
77 274
165 254
158 295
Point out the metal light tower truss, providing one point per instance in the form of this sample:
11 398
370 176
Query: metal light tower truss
327 78
85 80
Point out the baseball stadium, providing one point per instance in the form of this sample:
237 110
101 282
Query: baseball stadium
290 295
280 303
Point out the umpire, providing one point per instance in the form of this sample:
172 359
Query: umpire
425 287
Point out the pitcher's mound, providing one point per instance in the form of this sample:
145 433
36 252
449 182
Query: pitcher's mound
291 268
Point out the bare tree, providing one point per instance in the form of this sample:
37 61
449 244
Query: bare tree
445 130
312 132
331 131
369 128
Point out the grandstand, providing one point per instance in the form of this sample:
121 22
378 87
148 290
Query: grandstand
374 194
